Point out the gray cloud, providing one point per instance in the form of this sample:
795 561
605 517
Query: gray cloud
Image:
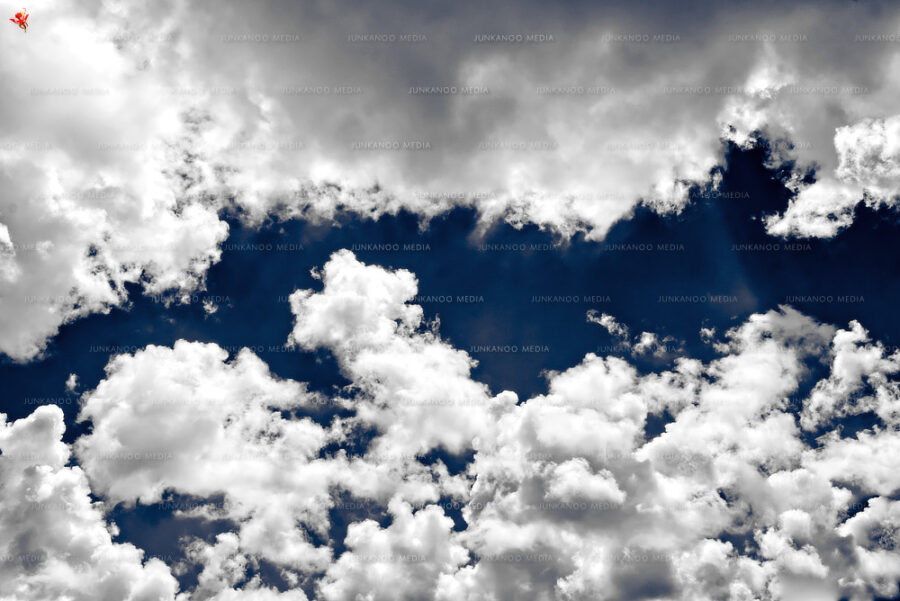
127 138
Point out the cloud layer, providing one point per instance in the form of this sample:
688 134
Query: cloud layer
752 490
130 132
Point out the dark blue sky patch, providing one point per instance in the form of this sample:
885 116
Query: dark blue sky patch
356 445
656 424
160 533
348 509
860 503
456 463
453 509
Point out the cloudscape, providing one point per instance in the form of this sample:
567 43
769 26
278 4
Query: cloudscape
432 302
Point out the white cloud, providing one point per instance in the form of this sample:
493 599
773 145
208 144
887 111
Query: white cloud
54 543
72 382
875 534
868 154
650 344
363 317
646 343
728 463
565 498
608 322
574 480
119 155
92 166
209 307
210 427
407 560
548 140
224 566
856 362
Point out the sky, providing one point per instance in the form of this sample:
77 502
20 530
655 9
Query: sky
569 301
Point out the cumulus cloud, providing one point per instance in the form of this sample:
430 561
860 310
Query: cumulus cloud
868 154
278 482
363 316
860 381
507 116
566 496
129 132
224 567
97 176
54 542
234 439
732 463
208 428
410 557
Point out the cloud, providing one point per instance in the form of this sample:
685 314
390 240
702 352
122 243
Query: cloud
72 382
131 132
648 516
208 428
509 117
224 567
95 174
279 483
566 496
868 154
728 465
380 341
409 558
55 543
859 381
608 322
875 528
647 343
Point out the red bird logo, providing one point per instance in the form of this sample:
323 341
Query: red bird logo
21 19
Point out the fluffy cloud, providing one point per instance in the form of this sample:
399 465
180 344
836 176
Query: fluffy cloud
566 497
420 541
210 427
362 315
509 117
233 439
859 381
652 527
224 566
54 543
874 531
99 181
868 155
